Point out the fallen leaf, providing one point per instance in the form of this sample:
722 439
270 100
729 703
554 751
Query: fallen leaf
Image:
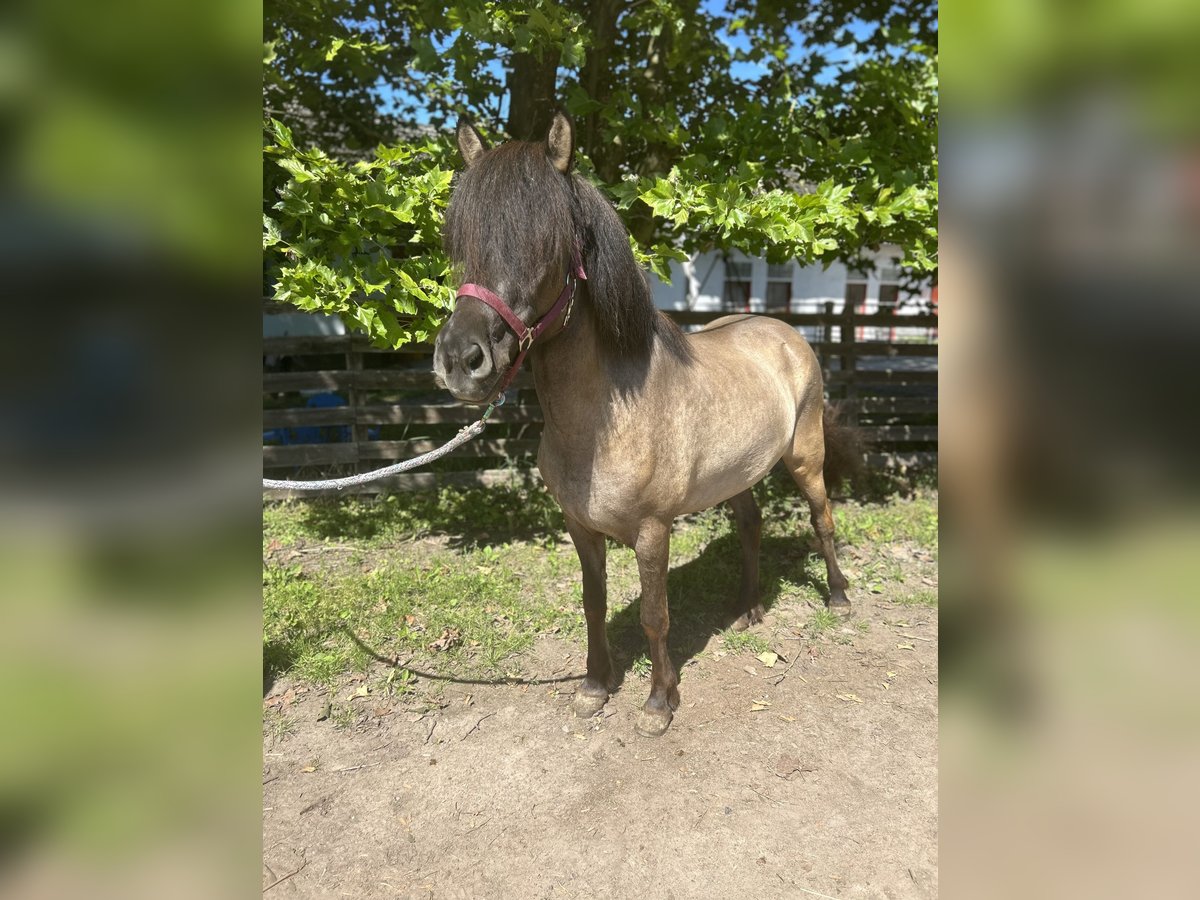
750 670
787 718
905 647
759 705
309 769
449 638
850 698
281 701
768 659
361 691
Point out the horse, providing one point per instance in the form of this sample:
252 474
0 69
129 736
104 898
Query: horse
642 422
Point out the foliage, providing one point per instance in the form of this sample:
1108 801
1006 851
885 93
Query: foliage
329 226
784 129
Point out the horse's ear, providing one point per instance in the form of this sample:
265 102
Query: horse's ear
470 143
560 142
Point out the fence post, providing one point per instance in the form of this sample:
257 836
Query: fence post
849 364
358 431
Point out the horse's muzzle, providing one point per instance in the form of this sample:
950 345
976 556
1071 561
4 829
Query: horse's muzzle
463 364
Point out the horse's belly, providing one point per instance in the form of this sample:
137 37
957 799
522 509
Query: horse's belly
727 470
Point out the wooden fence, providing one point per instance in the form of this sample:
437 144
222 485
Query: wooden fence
334 405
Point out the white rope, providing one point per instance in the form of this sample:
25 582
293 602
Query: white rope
464 435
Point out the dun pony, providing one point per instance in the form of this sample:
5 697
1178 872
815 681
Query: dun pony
643 423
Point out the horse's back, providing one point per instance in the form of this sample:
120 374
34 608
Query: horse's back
769 343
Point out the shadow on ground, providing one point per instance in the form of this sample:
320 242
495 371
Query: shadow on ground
470 518
490 516
702 595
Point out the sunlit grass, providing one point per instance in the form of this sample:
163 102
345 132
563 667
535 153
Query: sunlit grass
361 588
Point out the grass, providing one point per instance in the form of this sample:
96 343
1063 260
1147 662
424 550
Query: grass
738 641
821 621
342 715
917 598
346 583
277 725
475 516
463 608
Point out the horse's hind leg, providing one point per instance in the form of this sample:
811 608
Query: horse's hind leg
805 462
592 694
749 524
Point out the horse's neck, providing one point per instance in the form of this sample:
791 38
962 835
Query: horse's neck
571 374
567 363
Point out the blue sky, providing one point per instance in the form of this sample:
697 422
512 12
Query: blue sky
741 70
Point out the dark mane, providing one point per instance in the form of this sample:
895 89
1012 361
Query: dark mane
512 206
509 208
621 299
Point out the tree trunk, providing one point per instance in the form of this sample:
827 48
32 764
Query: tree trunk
596 78
531 95
656 157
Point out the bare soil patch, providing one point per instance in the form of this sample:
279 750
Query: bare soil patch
816 776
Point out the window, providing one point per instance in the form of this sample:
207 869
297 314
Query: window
779 288
856 289
889 288
737 286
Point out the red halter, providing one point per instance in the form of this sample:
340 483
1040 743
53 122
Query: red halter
527 335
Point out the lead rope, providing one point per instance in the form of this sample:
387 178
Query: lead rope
464 435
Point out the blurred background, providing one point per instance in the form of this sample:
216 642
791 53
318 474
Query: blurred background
130 218
1070 242
129 500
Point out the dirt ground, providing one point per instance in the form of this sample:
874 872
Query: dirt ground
816 776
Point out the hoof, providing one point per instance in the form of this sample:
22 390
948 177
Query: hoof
839 606
587 705
653 723
589 698
746 619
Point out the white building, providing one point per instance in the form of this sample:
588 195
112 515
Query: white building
733 282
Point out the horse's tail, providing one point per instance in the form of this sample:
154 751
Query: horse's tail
843 448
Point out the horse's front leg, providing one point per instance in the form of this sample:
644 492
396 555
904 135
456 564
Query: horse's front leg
593 693
652 549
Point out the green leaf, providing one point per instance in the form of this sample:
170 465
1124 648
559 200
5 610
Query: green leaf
271 235
295 168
